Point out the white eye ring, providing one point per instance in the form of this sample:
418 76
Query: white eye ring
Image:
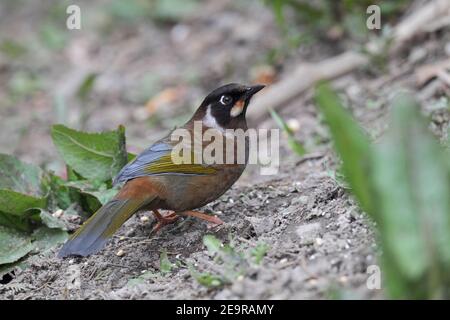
225 100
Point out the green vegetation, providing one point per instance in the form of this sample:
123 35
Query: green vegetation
231 262
35 204
403 183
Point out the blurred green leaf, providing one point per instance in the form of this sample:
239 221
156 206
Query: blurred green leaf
404 182
12 48
20 186
259 252
206 279
351 144
13 245
165 266
86 86
174 10
23 83
129 10
412 183
101 192
53 36
96 156
213 244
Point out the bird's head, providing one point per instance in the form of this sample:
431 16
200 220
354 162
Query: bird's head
225 107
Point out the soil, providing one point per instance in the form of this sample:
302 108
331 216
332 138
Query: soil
319 242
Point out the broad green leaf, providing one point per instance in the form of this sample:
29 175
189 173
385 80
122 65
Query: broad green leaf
21 223
18 203
101 192
95 156
351 144
13 245
411 180
20 186
46 238
51 221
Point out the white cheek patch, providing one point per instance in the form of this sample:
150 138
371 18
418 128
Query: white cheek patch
237 109
211 122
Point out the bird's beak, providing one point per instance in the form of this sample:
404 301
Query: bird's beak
241 105
253 89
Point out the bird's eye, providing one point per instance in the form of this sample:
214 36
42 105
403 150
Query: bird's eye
225 100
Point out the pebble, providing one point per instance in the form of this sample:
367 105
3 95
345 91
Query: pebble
58 213
293 124
144 219
120 253
319 241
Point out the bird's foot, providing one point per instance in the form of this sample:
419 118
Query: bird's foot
163 220
203 216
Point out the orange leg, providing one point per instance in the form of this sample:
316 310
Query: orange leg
163 220
203 216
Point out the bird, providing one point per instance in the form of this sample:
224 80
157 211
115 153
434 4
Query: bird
153 181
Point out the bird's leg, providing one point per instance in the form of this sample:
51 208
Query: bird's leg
203 216
163 220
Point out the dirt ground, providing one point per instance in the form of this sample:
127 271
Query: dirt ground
319 242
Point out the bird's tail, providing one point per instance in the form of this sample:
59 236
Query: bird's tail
95 232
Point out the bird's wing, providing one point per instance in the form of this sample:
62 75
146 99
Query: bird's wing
157 160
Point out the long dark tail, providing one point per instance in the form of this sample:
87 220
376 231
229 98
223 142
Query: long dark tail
95 232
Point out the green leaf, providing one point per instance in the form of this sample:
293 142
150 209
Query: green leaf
95 156
412 184
51 221
174 10
213 244
20 186
86 86
21 223
53 36
351 144
101 192
165 266
259 252
12 48
46 238
13 245
206 279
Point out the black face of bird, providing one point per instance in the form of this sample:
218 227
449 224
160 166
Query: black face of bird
227 103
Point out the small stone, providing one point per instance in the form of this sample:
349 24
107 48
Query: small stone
121 238
284 260
120 253
58 213
293 124
144 219
319 241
